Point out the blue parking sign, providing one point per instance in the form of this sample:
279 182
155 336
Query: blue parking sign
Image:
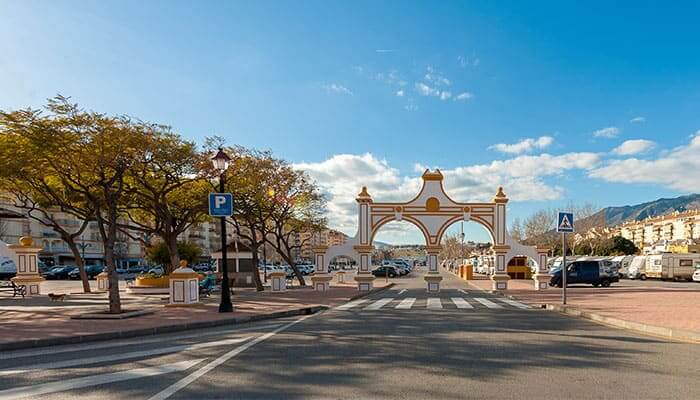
565 222
220 204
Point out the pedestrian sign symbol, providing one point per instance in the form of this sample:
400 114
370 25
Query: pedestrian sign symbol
220 204
565 222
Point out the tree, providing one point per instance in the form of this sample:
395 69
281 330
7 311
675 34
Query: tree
85 154
619 246
516 230
296 206
159 253
168 189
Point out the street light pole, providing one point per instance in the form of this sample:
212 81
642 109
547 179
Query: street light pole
220 161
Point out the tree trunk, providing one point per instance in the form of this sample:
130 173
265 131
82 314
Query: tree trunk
115 306
79 263
256 276
294 267
171 241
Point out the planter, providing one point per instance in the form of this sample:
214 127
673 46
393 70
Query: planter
146 285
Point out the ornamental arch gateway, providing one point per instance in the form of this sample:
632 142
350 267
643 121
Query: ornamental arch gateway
432 211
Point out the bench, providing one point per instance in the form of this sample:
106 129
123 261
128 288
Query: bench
9 286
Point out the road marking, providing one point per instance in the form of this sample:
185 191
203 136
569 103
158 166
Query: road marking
379 303
434 303
119 343
402 291
515 303
487 303
461 303
351 304
182 383
94 380
120 356
463 291
406 303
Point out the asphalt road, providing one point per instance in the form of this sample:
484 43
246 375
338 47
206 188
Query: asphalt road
423 349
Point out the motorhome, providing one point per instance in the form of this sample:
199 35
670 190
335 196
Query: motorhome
637 268
671 266
622 263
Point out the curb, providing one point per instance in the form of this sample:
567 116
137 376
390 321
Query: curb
373 291
652 330
96 337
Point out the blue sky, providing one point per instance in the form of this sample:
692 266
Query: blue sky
368 92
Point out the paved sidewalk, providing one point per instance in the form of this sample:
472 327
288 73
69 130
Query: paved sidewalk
675 308
39 318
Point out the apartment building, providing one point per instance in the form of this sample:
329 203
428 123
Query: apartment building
674 228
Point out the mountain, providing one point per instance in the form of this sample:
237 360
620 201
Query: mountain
617 215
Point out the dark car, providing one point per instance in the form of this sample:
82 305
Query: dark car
59 272
594 273
386 270
91 270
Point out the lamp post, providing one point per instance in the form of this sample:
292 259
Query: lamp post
221 161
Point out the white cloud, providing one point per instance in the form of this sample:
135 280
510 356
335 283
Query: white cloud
638 119
463 96
337 88
468 62
524 146
609 132
445 95
437 79
410 107
674 169
342 176
636 146
400 93
425 90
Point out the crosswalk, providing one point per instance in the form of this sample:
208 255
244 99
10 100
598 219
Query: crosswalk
432 303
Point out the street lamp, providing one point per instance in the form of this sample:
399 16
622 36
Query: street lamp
221 161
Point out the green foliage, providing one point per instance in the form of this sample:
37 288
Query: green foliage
159 253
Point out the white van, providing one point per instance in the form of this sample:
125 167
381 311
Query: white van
637 268
672 266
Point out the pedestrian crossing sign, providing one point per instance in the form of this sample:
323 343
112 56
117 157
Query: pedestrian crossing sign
565 222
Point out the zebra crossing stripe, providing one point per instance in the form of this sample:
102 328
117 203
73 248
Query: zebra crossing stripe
487 303
406 303
461 303
379 303
351 304
515 303
434 303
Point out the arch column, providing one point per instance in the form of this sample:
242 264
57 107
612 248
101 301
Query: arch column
542 276
433 277
364 278
500 276
321 278
499 279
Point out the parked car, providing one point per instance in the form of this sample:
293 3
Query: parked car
156 271
121 270
136 269
59 272
91 270
595 273
203 267
386 270
8 269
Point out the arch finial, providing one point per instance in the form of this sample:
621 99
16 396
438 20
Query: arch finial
364 196
500 196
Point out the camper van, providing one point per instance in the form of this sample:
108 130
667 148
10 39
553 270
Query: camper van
671 266
622 263
637 268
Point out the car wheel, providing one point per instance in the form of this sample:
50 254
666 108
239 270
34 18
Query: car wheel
596 284
605 283
642 277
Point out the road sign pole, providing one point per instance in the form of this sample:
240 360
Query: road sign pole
564 270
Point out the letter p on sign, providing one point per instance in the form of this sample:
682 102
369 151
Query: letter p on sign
220 204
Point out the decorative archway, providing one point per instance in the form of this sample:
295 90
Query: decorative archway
432 211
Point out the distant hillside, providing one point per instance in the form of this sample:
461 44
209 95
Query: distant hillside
617 215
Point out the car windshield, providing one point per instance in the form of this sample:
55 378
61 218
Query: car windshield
57 269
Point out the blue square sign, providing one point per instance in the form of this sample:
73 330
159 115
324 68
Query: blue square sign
565 222
220 204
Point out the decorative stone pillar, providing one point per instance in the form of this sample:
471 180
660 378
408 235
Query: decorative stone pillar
321 279
26 260
102 281
542 276
433 277
278 281
184 286
499 279
364 277
341 276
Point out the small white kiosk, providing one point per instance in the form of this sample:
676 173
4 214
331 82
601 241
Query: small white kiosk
184 286
26 259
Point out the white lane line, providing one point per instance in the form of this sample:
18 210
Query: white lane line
487 303
402 291
463 291
119 356
515 304
94 380
174 388
434 303
351 304
119 343
461 303
379 303
406 303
